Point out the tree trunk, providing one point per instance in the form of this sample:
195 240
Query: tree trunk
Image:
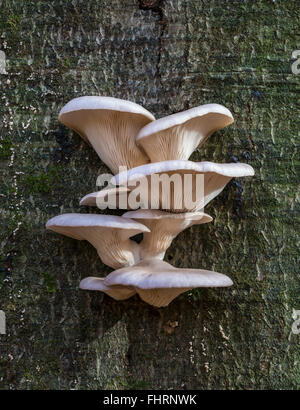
167 55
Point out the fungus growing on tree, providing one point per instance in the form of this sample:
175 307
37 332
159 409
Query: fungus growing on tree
175 185
109 234
178 135
125 134
110 125
158 283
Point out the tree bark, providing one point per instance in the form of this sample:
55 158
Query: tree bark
167 55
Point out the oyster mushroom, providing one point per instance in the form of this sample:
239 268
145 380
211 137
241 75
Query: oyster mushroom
158 283
164 227
112 198
174 185
110 125
176 136
107 233
117 292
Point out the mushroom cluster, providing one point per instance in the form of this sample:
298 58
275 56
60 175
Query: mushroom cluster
124 134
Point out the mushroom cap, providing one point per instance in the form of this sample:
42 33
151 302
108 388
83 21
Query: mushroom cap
111 196
158 283
84 226
214 111
157 274
181 118
103 195
69 114
107 233
71 224
231 170
195 217
172 185
117 292
176 136
110 125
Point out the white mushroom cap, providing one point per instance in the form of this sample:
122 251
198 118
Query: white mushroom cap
216 176
176 136
164 227
158 283
117 292
110 125
112 198
107 233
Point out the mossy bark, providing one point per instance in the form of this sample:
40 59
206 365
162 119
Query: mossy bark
168 56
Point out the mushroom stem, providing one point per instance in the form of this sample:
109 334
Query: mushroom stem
163 228
112 251
155 246
160 297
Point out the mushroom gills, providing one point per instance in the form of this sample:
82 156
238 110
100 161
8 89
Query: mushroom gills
164 227
117 292
180 186
110 125
109 234
176 136
158 283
